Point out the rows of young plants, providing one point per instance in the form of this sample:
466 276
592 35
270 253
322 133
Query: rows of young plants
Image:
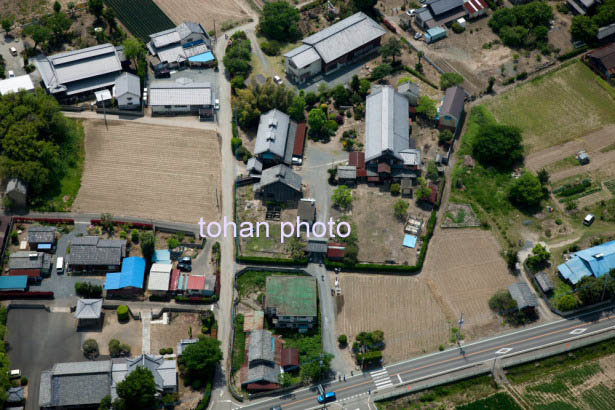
141 17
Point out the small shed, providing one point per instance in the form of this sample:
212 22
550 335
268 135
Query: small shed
17 191
406 187
317 246
290 359
434 34
347 174
306 211
254 166
411 91
545 282
15 396
127 91
103 98
13 283
522 294
88 312
336 251
41 238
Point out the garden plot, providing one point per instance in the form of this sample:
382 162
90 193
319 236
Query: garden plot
150 171
205 12
460 216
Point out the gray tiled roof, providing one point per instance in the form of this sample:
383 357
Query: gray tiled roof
306 210
29 260
262 346
409 88
16 185
606 31
522 294
346 172
454 100
273 132
263 372
41 234
160 368
88 309
545 282
280 173
176 34
318 245
344 36
303 55
127 83
443 6
254 165
16 395
91 250
179 93
386 123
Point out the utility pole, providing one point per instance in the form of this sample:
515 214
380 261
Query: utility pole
460 323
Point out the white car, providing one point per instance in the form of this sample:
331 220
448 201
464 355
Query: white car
15 374
277 79
217 104
411 12
11 74
13 51
418 36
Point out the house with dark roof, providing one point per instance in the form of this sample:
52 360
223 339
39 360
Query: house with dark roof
261 371
544 281
34 265
187 44
42 238
275 139
127 91
347 175
438 13
452 111
602 60
306 211
164 371
90 253
279 183
129 281
606 34
582 7
80 71
290 301
290 359
523 295
333 47
390 152
88 312
411 91
17 191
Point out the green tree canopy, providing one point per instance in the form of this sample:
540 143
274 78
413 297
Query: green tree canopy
526 191
148 245
498 145
95 7
317 121
539 258
296 110
342 197
137 391
7 23
279 21
584 28
200 358
448 80
391 49
427 107
134 50
401 209
366 6
39 33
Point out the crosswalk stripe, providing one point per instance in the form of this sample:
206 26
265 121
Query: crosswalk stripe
378 373
381 382
384 386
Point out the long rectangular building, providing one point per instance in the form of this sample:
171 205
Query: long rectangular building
333 47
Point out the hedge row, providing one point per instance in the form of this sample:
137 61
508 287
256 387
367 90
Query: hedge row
137 225
312 5
53 221
421 76
572 53
263 260
26 295
196 299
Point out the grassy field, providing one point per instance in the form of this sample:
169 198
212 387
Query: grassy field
254 281
557 107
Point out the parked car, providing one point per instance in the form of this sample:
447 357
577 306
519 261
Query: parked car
589 219
11 74
417 36
184 267
328 397
60 265
277 79
15 374
186 260
164 73
13 51
217 104
411 12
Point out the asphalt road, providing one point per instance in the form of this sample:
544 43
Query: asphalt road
441 362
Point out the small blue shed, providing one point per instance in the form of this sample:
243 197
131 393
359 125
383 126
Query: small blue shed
434 34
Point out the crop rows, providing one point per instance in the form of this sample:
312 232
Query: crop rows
599 397
141 17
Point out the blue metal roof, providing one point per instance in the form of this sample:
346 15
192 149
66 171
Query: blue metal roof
409 241
161 256
596 261
132 274
435 31
13 282
202 58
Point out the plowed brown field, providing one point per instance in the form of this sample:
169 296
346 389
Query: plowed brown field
202 11
150 171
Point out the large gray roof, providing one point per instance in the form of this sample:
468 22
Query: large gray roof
88 309
606 31
303 55
99 64
176 34
263 372
274 133
454 100
386 123
343 37
180 92
522 294
443 6
41 234
262 346
28 260
127 83
280 173
91 250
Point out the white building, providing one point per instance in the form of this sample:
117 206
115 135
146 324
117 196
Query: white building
127 91
159 278
181 97
16 84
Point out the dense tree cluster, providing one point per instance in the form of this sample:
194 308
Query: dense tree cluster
37 143
585 28
526 191
238 56
524 26
498 145
279 21
448 80
255 100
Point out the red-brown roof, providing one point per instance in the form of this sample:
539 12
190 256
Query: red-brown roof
433 198
474 6
606 55
34 273
174 279
196 282
357 159
373 179
336 250
300 139
384 167
264 386
290 357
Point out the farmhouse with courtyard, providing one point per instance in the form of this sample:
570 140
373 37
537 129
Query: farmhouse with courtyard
333 47
437 13
186 44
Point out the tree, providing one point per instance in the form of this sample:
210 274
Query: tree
395 189
7 24
502 303
316 368
109 16
296 248
296 109
427 107
342 197
201 358
445 137
490 85
71 7
355 83
59 23
381 71
95 7
539 258
543 176
106 220
134 50
448 80
39 33
584 28
57 6
590 290
567 302
279 20
512 258
498 145
172 243
342 340
364 87
286 379
117 349
317 121
105 403
423 191
148 243
366 6
137 390
90 349
391 49
400 208
526 191
340 95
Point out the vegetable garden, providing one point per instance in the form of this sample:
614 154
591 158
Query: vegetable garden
141 17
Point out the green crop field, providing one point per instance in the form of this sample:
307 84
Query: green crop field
557 107
141 17
500 401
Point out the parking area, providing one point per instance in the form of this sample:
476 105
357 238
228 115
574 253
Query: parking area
13 63
47 338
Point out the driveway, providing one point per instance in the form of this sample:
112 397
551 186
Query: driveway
37 340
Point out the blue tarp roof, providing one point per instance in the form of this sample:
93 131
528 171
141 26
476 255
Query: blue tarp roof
162 256
132 274
409 241
44 246
596 261
202 58
435 31
13 282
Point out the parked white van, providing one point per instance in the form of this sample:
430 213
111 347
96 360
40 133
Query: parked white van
60 265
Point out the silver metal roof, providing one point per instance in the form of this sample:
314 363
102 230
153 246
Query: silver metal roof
127 83
606 31
179 93
88 309
344 36
272 134
303 56
411 157
386 123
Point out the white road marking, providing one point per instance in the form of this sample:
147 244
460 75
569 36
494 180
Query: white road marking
504 350
578 331
381 379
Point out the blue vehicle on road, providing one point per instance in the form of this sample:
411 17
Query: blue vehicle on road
327 397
